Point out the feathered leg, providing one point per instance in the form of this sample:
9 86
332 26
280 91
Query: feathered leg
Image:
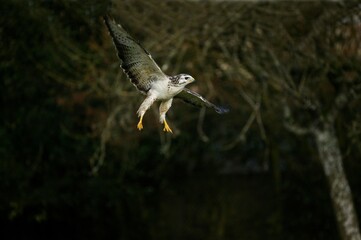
163 109
143 108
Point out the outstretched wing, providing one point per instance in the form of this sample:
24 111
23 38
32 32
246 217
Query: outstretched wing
197 100
136 62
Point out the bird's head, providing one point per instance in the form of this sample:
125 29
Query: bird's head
185 79
181 80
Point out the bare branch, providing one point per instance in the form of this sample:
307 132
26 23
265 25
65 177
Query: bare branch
242 135
200 131
97 160
291 125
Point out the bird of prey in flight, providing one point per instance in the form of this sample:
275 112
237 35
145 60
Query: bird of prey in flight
150 80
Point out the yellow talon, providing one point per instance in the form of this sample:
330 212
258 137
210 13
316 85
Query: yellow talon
166 127
140 124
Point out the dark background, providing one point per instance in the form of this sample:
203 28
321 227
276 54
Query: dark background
74 166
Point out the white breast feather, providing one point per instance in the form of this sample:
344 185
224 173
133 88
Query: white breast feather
163 91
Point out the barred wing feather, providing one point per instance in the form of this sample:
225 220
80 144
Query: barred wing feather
197 100
136 62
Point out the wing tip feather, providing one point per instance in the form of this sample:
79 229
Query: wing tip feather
221 109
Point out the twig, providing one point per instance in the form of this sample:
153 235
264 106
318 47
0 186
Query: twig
200 131
242 134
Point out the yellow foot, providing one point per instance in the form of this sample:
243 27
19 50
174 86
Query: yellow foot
166 127
140 124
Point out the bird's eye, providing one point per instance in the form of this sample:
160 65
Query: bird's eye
186 78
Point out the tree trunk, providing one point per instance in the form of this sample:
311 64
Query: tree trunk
331 159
